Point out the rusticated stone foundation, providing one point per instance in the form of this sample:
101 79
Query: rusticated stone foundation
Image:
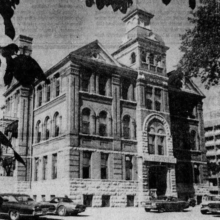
117 190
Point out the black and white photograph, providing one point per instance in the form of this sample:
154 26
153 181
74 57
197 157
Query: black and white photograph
109 109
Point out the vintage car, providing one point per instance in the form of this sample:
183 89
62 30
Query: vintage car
210 204
65 206
166 204
22 205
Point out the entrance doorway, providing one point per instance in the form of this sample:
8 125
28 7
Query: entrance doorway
158 179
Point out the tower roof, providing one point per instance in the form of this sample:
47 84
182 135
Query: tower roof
137 10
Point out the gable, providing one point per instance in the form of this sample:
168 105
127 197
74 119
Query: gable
96 51
178 81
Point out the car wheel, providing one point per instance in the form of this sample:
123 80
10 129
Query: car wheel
147 210
14 215
61 211
204 212
161 210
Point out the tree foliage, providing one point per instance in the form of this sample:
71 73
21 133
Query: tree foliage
123 5
201 44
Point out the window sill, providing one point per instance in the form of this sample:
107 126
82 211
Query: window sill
129 140
49 102
93 136
49 140
96 96
129 102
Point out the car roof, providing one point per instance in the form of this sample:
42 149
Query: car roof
12 194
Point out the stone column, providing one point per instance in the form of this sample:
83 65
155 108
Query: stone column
109 126
43 131
61 129
169 190
109 93
51 128
92 83
97 83
140 93
133 129
92 123
131 92
173 180
97 125
44 93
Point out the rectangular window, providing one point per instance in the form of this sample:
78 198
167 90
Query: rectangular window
36 169
128 167
48 93
43 197
160 142
102 130
126 131
54 166
52 197
57 87
149 96
44 167
35 198
86 165
104 166
130 201
151 144
158 99
85 127
87 200
39 97
105 201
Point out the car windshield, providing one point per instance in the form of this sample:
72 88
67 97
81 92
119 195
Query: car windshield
66 200
23 198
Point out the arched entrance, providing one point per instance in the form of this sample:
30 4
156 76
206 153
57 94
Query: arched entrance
158 179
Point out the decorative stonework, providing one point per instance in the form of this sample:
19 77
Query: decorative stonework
169 141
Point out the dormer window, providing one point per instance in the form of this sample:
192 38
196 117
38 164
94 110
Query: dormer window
133 58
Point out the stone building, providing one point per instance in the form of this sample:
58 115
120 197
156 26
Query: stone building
109 130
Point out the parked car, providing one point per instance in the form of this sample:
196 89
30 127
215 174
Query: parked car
19 205
65 206
166 204
210 204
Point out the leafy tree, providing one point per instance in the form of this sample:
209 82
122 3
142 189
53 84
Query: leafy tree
201 44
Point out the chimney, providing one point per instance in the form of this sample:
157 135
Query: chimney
25 44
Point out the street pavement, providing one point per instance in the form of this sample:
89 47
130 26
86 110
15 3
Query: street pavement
134 214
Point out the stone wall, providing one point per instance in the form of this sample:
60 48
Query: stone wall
7 184
117 190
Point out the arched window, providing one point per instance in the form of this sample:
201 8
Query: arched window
126 127
193 139
103 123
39 95
48 92
151 59
38 132
56 124
133 58
86 121
156 138
47 128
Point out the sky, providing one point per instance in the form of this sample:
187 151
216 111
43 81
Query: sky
61 26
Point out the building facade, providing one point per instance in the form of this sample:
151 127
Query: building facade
212 144
110 130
